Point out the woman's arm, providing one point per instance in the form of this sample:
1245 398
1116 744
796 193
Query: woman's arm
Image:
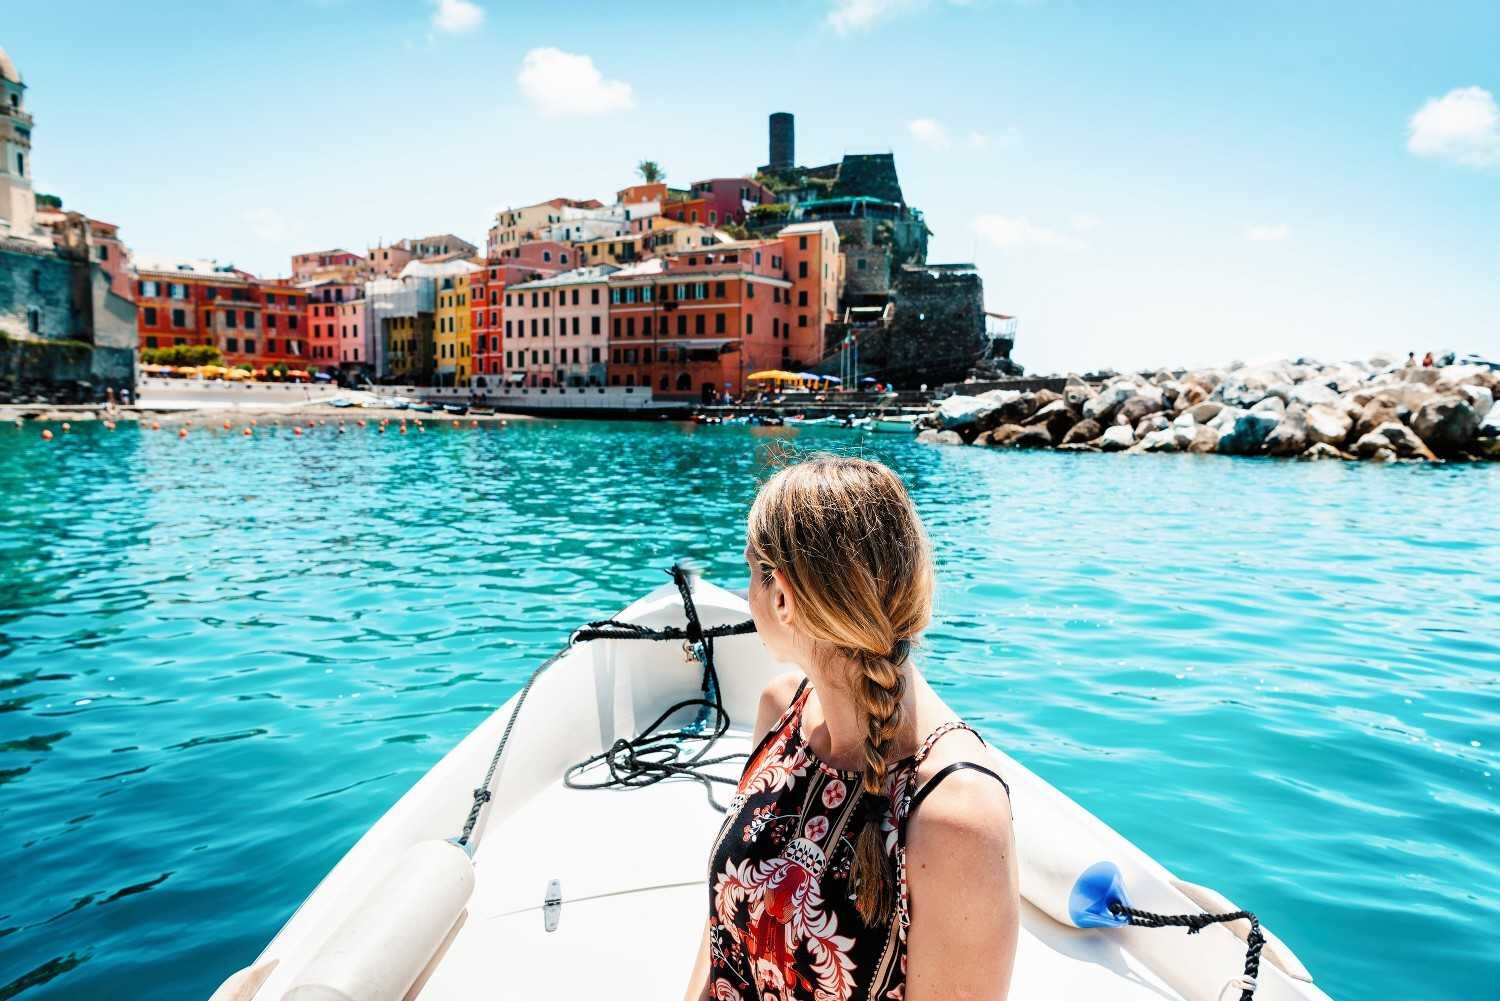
774 699
965 905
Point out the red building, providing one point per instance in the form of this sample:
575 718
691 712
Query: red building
198 302
725 199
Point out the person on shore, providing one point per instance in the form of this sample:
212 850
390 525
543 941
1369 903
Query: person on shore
1427 360
1411 359
124 396
868 851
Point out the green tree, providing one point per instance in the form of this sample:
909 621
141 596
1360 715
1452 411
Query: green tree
650 171
183 354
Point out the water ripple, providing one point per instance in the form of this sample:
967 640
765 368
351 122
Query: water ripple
221 659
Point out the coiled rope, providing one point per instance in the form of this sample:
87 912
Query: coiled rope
653 754
1194 923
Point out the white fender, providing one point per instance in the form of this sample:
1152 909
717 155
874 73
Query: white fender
385 942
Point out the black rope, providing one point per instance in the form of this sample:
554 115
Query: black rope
1194 923
650 756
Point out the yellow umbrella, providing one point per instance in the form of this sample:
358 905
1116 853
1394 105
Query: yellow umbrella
775 375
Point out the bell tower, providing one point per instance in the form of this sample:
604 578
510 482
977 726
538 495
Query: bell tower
17 200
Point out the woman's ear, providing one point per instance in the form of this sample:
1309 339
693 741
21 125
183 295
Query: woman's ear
782 601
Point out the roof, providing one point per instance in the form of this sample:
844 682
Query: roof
578 276
439 269
202 267
806 227
641 269
8 69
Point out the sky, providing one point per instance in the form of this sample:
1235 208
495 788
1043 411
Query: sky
1141 184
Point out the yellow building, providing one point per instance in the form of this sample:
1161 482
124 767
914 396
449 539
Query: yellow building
453 359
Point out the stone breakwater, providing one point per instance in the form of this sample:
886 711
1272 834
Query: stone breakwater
1376 410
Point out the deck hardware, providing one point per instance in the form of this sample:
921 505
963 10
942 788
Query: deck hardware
552 905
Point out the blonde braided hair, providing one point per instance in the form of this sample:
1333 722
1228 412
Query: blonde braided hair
847 537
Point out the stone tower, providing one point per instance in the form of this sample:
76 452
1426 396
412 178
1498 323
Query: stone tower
17 200
783 141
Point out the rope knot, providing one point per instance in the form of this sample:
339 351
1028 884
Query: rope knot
481 795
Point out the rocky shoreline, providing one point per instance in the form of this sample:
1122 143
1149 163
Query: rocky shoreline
1378 409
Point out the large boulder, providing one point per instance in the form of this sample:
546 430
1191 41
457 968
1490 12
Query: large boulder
1490 426
1102 407
1401 440
1270 405
1189 394
1248 386
1150 423
1138 406
1117 438
1320 450
964 411
1327 424
1034 436
1056 417
1045 397
1290 437
932 437
1164 440
1205 441
1005 435
1380 410
1309 393
1249 433
1015 410
1447 424
1481 398
1202 413
1077 392
1085 430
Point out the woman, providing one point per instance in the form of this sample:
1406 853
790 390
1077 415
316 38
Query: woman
867 853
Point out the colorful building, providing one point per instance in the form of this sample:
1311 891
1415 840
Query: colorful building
453 356
729 199
693 325
815 266
342 266
556 330
399 313
387 261
514 227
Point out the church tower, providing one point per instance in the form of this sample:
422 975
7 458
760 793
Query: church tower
17 200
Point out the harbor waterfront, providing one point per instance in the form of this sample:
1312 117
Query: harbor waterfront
224 656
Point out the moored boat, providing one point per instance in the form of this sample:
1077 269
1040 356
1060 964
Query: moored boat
512 870
897 423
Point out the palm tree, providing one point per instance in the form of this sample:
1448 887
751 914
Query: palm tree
650 171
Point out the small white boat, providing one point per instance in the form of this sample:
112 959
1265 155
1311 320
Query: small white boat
900 423
593 893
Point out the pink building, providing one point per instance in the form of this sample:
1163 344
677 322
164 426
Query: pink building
354 347
727 198
548 257
338 265
336 327
387 262
557 329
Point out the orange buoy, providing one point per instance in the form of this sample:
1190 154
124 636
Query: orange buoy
182 432
248 432
361 422
156 425
46 435
226 425
403 429
252 422
455 423
67 426
473 424
297 430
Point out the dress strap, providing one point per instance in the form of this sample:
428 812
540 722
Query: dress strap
936 735
933 783
792 711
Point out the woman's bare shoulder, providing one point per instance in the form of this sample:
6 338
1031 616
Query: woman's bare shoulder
774 699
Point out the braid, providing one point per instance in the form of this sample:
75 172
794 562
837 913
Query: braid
880 689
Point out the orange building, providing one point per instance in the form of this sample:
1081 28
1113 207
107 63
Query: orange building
185 302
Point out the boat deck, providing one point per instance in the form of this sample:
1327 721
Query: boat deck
632 869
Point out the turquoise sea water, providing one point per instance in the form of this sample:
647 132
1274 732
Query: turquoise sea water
222 658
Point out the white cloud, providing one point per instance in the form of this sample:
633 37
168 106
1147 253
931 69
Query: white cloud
267 224
1082 222
846 16
1013 232
928 133
559 83
1463 125
457 16
1268 233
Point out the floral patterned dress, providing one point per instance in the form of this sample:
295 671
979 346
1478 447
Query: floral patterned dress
782 922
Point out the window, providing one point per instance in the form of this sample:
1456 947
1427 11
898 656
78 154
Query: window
629 326
617 326
231 319
801 243
291 323
546 298
801 269
149 290
249 320
699 323
593 354
507 328
749 325
594 325
533 326
802 320
802 298
533 300
614 296
663 327
179 318
249 347
681 325
150 341
150 313
594 296
719 323
575 297
775 327
750 290
232 344
33 319
179 291
719 290
576 322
